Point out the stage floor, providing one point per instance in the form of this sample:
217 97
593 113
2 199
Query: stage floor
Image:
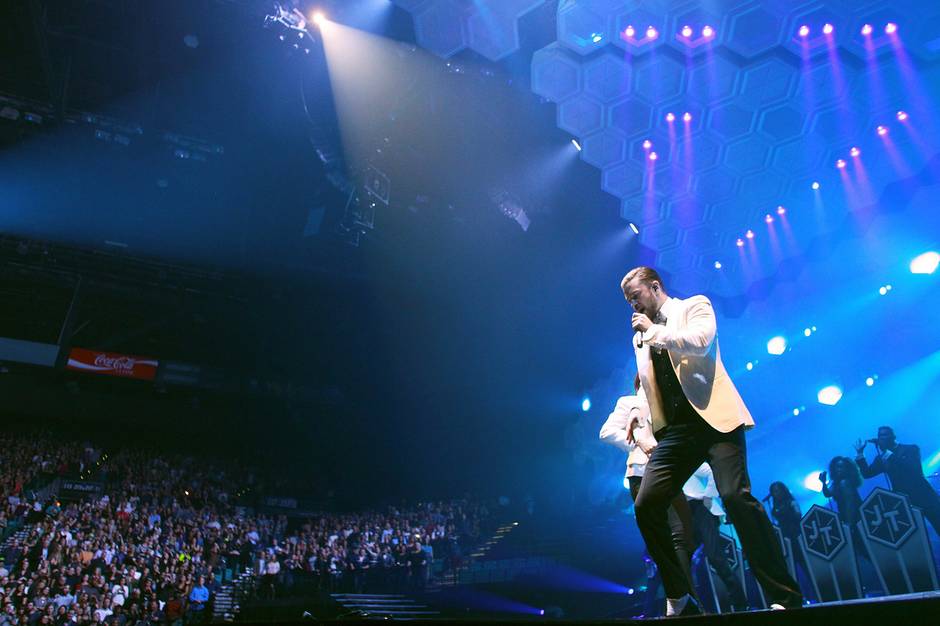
920 609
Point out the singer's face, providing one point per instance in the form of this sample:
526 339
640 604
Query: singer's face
641 297
885 439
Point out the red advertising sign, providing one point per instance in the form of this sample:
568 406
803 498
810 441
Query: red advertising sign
110 364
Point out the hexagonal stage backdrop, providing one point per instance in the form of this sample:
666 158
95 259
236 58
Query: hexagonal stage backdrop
770 121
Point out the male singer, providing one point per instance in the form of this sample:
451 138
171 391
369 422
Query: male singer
901 462
697 416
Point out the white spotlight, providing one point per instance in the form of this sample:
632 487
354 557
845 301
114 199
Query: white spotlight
926 263
319 18
777 346
636 231
830 395
749 366
812 481
575 143
870 381
586 405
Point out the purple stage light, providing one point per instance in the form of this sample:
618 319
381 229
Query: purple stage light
708 32
855 151
804 31
652 33
866 30
902 116
647 144
686 117
891 28
882 131
629 31
769 218
827 29
686 31
739 243
653 156
670 117
840 164
749 234
781 210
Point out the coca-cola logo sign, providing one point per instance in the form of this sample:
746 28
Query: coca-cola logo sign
125 363
94 362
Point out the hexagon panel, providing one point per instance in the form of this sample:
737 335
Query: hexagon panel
659 79
631 117
581 115
555 74
754 30
713 81
608 77
604 148
439 27
581 29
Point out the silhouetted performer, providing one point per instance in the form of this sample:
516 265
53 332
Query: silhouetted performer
697 416
785 510
702 494
842 484
901 462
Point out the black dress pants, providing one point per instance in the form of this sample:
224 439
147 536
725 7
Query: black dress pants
679 516
682 448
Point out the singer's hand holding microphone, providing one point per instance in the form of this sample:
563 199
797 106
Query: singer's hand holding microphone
640 324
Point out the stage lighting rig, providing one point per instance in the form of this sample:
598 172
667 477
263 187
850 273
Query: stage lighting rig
291 27
511 208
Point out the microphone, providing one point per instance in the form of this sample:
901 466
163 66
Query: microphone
875 441
766 498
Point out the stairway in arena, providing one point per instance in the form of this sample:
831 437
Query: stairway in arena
383 606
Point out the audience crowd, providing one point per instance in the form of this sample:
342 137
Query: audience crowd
156 536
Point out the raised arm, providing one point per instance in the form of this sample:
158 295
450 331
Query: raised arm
695 339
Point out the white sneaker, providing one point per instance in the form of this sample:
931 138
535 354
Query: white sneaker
777 607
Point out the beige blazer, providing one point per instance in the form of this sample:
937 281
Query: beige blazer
690 337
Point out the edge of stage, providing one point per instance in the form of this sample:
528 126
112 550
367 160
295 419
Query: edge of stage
923 607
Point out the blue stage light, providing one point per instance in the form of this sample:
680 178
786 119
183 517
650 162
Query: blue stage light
777 346
830 395
586 405
925 263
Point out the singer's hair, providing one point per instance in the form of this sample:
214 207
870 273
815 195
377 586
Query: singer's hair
887 428
646 275
852 474
787 496
636 383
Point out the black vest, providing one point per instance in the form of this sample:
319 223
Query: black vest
676 407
